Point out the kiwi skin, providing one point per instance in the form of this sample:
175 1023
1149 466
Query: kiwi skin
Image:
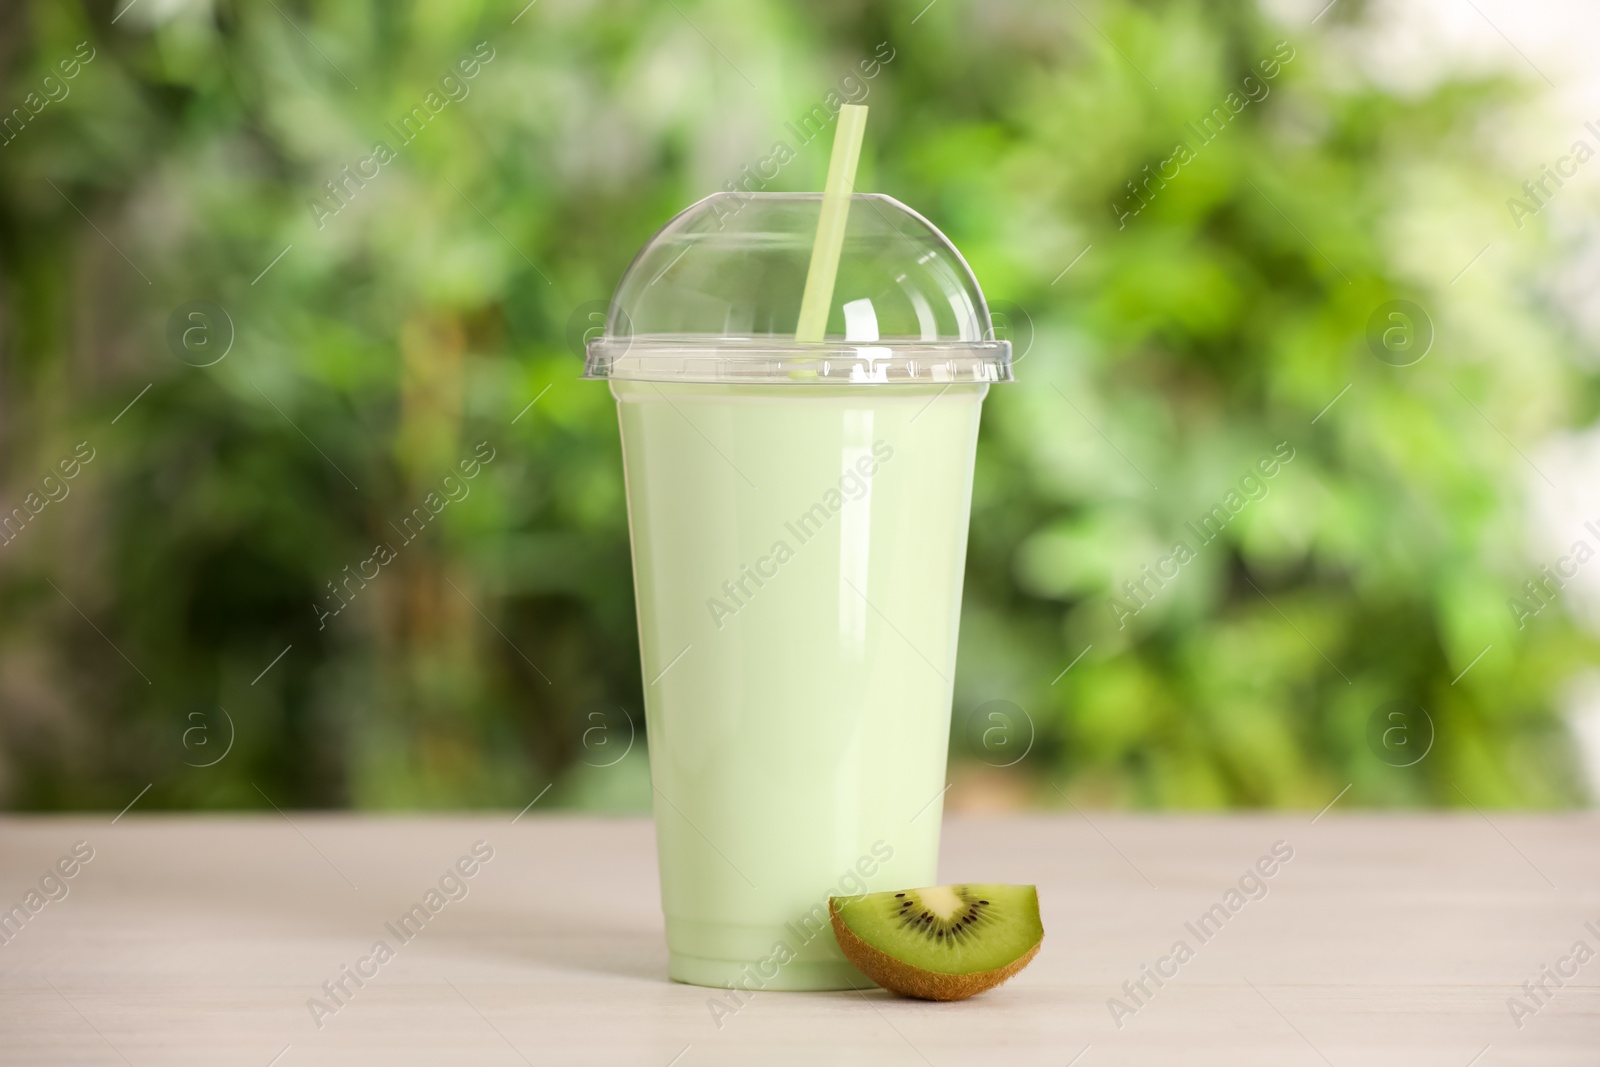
909 981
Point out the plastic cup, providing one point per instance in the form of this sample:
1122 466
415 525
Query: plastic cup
798 515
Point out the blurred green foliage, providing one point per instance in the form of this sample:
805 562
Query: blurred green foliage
420 319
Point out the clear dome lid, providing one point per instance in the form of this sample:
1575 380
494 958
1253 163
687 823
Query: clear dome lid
715 297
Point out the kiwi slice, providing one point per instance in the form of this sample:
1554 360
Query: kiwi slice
942 943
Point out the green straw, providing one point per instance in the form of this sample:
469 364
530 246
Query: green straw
824 269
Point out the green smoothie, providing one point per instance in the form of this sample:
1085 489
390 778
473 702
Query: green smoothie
798 496
798 555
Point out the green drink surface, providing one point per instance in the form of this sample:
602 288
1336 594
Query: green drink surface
798 559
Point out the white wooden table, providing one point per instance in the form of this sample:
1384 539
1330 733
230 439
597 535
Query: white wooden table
1385 940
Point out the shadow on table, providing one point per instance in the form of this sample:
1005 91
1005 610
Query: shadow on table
580 946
